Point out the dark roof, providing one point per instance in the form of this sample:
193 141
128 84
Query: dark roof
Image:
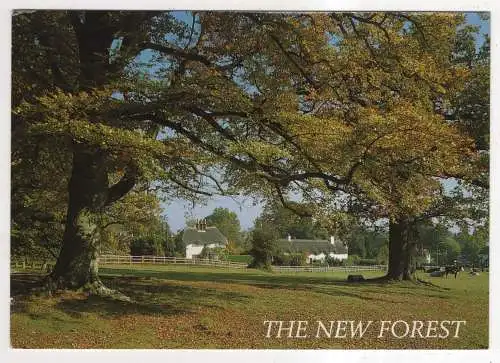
210 235
315 246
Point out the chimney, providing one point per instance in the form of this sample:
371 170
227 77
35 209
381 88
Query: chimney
289 237
332 240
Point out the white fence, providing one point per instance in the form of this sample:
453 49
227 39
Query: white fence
133 260
329 268
123 260
161 260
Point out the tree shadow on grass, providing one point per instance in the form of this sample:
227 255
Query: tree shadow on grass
149 297
246 278
152 294
109 308
24 283
321 284
163 291
335 290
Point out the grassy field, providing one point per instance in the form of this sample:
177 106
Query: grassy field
197 307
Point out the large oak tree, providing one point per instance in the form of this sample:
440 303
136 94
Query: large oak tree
338 108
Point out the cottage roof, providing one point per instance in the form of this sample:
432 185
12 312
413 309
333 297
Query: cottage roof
208 235
315 246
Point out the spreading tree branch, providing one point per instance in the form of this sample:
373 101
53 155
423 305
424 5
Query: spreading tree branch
126 183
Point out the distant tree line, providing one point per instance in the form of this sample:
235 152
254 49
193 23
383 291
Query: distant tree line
443 242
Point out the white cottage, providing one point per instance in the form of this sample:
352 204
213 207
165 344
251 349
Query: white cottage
316 250
200 236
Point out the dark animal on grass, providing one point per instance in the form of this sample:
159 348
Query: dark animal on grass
355 278
452 270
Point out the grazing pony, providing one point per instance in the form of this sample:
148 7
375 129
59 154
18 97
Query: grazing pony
452 270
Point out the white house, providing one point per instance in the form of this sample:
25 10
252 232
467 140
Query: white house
316 250
200 236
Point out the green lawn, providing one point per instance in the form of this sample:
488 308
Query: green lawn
199 307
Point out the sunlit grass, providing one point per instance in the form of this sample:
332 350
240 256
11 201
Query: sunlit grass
203 307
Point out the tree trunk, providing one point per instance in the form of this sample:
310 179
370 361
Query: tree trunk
89 193
76 265
77 262
88 188
402 249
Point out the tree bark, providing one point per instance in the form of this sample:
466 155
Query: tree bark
89 193
76 265
402 250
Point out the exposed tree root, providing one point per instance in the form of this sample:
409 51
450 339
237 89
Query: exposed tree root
97 288
52 285
426 283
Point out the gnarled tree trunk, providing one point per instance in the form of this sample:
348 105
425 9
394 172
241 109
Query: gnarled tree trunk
89 193
88 185
402 250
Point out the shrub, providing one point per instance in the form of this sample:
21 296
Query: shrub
298 259
213 253
383 255
289 259
263 246
368 261
331 261
145 246
281 259
353 260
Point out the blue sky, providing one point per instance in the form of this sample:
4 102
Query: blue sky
177 211
473 18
